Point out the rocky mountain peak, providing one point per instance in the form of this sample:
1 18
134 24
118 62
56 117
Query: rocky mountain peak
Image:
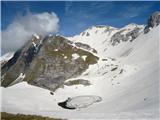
153 20
48 62
132 26
97 29
127 33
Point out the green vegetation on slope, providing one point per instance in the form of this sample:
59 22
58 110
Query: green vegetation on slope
9 116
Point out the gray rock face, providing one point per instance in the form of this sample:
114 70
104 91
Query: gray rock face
48 64
117 38
120 37
133 34
153 21
85 46
78 82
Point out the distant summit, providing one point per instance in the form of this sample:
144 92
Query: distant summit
154 20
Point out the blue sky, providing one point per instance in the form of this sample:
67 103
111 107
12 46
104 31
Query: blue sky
77 16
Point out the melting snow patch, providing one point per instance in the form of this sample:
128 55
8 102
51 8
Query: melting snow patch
75 56
65 57
34 44
18 80
55 49
36 36
84 57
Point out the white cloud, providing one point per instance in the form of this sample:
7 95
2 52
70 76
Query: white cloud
22 28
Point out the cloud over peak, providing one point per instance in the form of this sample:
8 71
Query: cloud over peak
22 28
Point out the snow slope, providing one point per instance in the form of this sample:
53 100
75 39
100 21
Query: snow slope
6 57
128 85
99 37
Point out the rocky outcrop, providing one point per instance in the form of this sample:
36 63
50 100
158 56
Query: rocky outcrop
154 20
125 35
133 34
19 63
47 63
78 82
85 46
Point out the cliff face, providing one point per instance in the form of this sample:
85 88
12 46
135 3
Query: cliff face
48 62
153 21
129 33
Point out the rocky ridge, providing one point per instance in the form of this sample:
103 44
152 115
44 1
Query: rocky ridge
48 62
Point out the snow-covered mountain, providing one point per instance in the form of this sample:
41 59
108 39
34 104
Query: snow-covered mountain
103 38
121 77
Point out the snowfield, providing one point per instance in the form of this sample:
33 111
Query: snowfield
126 78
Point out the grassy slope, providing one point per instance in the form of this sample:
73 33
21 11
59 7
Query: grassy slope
9 116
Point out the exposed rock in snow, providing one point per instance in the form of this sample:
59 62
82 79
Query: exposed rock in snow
85 46
103 38
128 33
77 82
153 21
